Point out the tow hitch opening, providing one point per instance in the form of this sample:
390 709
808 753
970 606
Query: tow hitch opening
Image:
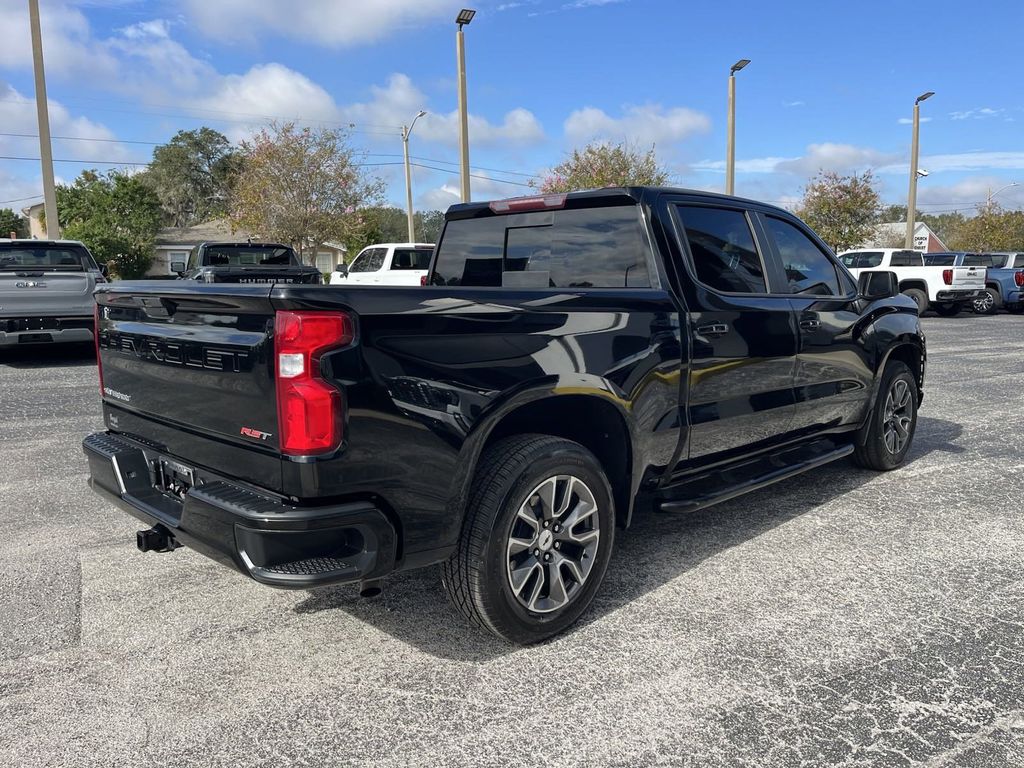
156 539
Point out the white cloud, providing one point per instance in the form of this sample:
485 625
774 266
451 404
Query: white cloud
969 192
147 29
325 22
976 114
644 125
67 44
910 120
966 161
395 104
449 193
792 103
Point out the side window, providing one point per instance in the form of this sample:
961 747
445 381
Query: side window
411 258
1018 261
808 269
722 246
369 260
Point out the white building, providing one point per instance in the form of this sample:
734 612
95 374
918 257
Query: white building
893 235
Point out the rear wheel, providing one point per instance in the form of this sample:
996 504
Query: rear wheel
920 298
536 541
948 310
883 442
987 303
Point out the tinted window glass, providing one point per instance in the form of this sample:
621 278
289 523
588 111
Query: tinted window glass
411 258
1018 260
722 246
979 260
861 259
582 248
369 260
15 256
807 267
234 255
906 259
939 260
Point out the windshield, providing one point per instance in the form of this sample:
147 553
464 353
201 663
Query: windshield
63 258
861 259
248 255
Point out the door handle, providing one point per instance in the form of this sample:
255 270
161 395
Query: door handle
810 325
717 329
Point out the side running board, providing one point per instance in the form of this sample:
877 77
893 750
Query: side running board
724 483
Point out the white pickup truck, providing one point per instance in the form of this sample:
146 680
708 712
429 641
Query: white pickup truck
386 264
947 290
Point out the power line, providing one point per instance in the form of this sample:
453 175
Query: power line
80 138
19 199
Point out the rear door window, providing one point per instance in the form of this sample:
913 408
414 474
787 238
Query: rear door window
412 258
602 247
862 259
808 269
722 249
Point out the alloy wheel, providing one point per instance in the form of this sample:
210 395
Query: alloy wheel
984 303
552 544
897 418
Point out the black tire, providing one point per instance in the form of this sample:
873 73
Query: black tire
872 449
988 303
478 577
948 310
920 298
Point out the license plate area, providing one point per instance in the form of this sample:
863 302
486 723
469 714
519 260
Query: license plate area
173 478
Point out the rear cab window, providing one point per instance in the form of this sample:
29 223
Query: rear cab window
584 247
60 258
249 255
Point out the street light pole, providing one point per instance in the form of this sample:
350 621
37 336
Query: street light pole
465 16
43 117
908 241
730 150
988 201
408 174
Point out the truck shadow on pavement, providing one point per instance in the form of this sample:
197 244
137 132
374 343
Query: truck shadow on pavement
656 549
48 356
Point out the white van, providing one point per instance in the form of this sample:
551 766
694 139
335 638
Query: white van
386 264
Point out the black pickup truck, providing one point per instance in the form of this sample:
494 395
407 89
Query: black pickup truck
246 262
573 358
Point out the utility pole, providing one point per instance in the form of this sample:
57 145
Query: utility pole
43 116
908 242
465 16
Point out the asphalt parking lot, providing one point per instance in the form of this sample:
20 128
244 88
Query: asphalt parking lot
840 618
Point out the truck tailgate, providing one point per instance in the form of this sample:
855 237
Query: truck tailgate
192 366
968 278
49 293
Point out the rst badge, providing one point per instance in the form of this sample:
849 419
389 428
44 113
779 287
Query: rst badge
255 433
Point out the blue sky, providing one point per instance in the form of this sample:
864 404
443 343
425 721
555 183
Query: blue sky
831 85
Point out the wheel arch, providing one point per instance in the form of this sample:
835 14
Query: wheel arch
596 419
920 285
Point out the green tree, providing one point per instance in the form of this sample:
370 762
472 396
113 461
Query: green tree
604 165
429 225
192 175
843 210
12 222
992 229
301 186
116 215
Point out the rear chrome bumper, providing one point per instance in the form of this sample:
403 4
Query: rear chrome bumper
45 330
273 542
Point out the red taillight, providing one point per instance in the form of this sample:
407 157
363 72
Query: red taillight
521 204
96 341
423 279
310 412
1018 278
947 276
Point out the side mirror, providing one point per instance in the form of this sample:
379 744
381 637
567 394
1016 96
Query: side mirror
342 268
177 267
878 285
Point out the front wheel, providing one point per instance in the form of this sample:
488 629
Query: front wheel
883 442
536 540
948 310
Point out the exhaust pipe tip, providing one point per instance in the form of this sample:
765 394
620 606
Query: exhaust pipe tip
371 588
